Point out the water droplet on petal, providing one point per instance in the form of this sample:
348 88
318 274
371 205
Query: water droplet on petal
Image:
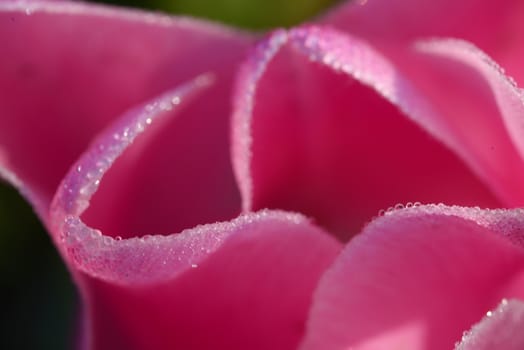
166 106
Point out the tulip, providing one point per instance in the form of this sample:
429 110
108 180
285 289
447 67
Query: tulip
209 188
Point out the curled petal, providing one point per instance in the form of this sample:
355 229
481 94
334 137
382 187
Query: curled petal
244 279
181 172
399 22
327 126
164 292
480 113
412 278
62 82
102 255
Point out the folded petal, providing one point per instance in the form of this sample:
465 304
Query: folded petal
499 329
194 289
327 126
251 290
480 113
178 175
418 278
496 27
62 81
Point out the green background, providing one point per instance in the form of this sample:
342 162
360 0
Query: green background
38 298
253 14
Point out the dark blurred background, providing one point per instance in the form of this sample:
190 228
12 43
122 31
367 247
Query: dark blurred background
38 298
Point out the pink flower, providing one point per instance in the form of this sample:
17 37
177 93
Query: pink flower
118 124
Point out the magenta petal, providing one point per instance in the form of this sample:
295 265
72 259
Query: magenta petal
176 176
393 22
251 290
194 289
418 278
61 81
499 329
79 243
480 113
84 179
327 126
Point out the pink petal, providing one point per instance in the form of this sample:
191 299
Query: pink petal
480 112
62 81
194 289
324 125
166 193
496 27
499 329
252 290
177 176
418 278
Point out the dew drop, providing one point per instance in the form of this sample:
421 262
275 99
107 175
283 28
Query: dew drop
146 237
166 106
95 234
328 59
